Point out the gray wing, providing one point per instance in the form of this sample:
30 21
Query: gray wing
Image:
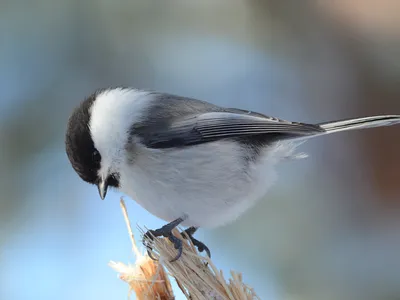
212 126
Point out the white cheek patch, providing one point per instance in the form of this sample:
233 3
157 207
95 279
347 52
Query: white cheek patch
112 115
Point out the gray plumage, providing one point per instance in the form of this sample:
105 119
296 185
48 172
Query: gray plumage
173 121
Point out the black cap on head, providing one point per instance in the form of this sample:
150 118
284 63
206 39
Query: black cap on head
81 152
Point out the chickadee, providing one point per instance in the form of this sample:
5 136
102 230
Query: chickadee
186 161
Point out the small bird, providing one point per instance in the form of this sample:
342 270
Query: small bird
186 161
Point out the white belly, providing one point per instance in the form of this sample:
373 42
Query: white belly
209 184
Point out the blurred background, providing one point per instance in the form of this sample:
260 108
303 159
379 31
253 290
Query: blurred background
329 229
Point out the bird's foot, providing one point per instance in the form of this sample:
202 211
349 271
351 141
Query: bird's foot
188 233
165 231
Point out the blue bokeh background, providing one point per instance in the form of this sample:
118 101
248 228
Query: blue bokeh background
329 227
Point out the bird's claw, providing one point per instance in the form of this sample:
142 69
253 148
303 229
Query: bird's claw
165 231
177 245
188 233
173 239
149 236
201 246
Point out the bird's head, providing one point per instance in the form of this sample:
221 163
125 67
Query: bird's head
97 135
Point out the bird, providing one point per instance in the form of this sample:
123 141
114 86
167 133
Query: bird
186 161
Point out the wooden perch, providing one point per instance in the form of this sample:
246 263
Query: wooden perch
196 276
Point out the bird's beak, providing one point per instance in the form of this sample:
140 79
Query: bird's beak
102 186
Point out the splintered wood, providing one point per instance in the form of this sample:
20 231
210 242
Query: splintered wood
196 276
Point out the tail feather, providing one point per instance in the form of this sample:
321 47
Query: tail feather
360 123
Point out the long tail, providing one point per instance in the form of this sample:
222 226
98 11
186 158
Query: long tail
360 123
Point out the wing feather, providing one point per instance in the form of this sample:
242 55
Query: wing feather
212 126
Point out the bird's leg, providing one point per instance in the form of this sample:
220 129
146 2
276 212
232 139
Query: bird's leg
188 233
165 231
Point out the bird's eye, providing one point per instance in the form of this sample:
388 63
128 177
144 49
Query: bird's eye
96 156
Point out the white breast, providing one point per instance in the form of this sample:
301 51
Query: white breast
210 183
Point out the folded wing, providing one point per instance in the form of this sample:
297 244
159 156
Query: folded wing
230 124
